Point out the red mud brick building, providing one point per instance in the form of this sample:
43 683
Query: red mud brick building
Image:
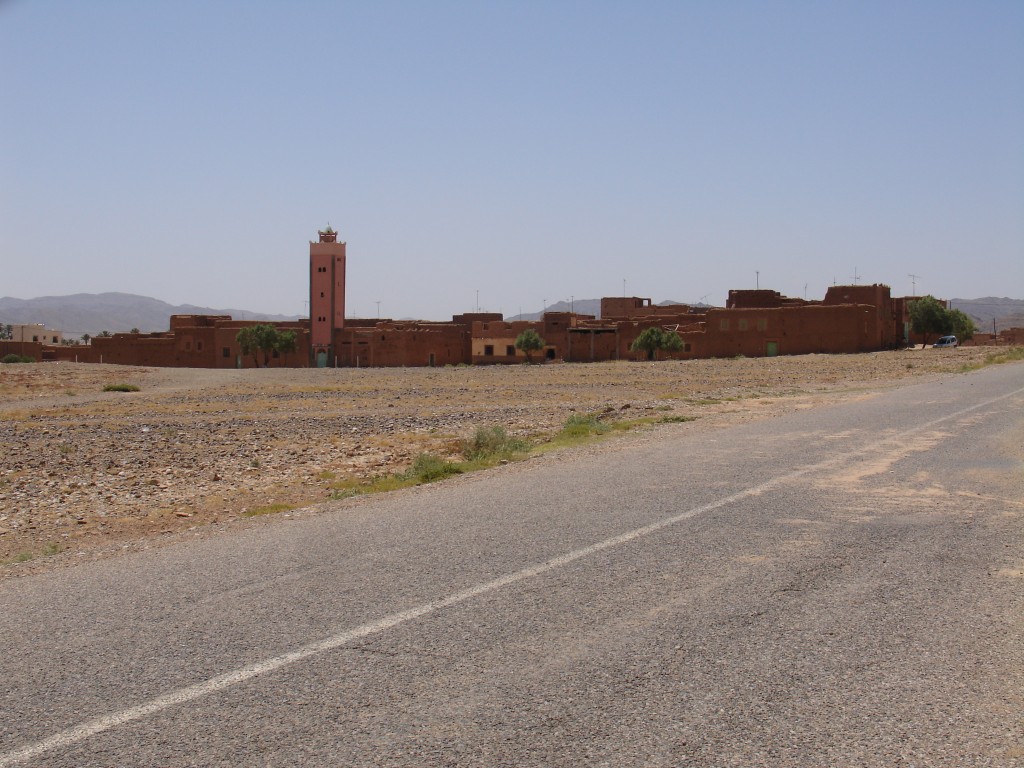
851 318
326 295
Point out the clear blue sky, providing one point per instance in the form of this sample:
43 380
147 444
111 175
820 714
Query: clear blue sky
526 150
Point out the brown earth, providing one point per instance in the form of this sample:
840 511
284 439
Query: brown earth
87 473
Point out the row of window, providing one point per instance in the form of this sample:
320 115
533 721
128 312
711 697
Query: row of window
510 350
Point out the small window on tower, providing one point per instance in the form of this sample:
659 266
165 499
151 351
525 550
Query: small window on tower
489 350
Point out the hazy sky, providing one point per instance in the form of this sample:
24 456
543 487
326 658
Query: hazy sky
526 150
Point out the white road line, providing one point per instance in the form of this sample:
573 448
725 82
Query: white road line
228 679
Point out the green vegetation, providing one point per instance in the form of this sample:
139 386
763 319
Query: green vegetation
928 317
429 468
653 339
24 557
269 509
267 339
12 358
529 341
489 443
488 447
581 425
963 326
120 388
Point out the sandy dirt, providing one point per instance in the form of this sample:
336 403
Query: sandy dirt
86 473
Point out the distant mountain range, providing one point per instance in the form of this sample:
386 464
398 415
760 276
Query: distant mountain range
93 313
1007 313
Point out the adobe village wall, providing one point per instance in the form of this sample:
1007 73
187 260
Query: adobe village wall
193 341
485 338
857 318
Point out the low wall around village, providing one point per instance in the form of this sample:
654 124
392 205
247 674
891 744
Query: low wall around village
33 349
783 327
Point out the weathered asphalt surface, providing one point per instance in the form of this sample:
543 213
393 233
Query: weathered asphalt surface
837 587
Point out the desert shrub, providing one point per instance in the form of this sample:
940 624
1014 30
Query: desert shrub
490 443
12 358
583 425
120 388
428 467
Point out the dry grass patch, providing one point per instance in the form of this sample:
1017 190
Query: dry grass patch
268 509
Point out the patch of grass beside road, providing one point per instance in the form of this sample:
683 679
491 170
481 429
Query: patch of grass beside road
24 557
269 509
1012 355
489 447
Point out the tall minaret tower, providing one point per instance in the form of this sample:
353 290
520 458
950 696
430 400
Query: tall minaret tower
326 295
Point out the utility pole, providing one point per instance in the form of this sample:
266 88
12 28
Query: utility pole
757 279
805 291
623 287
378 309
913 283
856 277
477 299
572 303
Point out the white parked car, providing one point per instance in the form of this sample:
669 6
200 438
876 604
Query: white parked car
946 341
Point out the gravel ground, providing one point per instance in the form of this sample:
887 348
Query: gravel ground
87 473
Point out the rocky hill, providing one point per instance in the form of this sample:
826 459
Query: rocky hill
95 312
1007 313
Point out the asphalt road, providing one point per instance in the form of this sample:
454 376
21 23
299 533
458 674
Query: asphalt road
842 586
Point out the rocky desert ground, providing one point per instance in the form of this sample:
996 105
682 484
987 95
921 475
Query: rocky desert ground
88 473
